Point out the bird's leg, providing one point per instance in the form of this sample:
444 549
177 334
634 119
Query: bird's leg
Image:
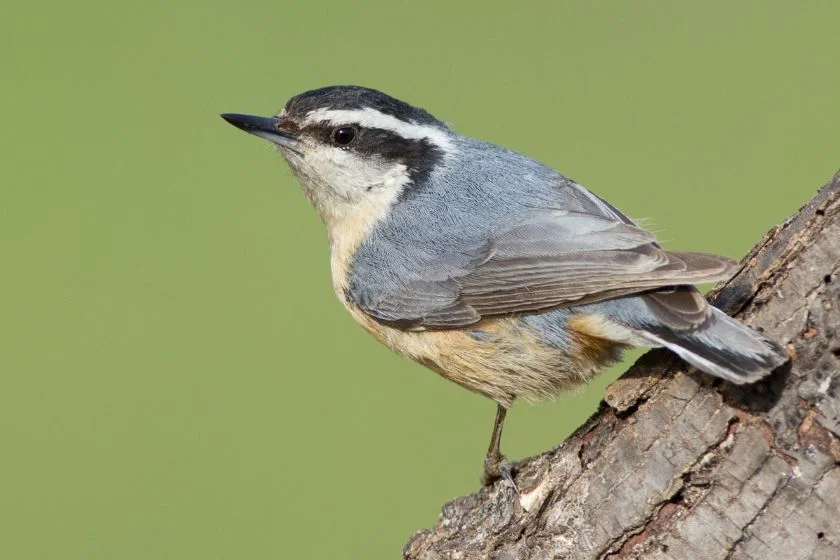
495 466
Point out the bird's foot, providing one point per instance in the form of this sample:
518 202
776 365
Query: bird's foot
496 467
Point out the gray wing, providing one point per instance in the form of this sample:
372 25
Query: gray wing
552 258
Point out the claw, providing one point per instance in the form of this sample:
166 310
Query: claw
496 467
505 470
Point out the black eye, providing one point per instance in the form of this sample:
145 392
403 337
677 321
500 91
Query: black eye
344 135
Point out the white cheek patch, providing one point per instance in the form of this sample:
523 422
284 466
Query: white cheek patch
352 176
372 118
351 193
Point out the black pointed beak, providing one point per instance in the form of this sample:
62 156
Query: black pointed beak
265 127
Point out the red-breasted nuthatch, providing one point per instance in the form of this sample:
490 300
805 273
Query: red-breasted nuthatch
490 268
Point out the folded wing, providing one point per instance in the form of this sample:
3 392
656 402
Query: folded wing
552 259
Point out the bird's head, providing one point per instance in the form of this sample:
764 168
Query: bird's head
353 149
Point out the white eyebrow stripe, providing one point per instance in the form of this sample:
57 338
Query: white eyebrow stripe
375 119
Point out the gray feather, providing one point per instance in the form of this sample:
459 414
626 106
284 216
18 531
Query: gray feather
498 233
716 344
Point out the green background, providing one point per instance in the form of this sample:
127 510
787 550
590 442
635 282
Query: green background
178 379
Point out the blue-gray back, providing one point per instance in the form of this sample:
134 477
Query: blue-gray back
493 233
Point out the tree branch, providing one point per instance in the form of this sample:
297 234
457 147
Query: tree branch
678 465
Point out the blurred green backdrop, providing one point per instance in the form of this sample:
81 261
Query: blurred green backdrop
178 380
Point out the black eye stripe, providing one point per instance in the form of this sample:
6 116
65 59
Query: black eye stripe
419 155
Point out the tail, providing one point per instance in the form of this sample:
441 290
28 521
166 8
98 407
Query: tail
725 348
703 336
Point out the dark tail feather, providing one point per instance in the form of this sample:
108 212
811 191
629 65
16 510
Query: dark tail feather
723 347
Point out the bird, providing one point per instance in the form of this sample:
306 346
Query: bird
488 267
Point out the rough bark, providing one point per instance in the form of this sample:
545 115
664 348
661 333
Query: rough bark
677 465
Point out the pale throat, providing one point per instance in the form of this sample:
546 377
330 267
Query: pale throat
352 193
348 229
351 200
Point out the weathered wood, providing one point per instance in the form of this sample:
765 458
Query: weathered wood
678 465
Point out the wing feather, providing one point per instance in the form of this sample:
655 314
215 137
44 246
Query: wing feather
553 259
